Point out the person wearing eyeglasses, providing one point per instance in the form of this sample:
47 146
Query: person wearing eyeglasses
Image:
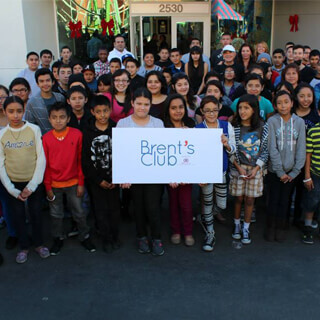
20 87
120 95
229 81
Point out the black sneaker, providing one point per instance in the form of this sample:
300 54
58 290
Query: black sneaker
245 236
56 247
157 247
209 242
236 233
11 243
1 259
74 232
88 245
307 235
143 245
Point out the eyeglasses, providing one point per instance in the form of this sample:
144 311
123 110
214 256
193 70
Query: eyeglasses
14 91
211 111
229 72
121 81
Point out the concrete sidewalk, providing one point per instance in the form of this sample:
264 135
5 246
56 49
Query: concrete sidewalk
259 281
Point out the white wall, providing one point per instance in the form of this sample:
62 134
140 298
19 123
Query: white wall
13 41
26 25
309 23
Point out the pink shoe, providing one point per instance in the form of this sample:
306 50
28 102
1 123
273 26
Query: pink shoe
43 252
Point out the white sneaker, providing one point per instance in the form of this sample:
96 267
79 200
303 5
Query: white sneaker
245 236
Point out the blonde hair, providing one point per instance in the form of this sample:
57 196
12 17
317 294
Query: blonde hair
264 44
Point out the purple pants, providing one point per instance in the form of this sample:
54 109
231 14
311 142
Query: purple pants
181 218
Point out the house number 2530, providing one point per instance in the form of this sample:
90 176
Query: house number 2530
171 8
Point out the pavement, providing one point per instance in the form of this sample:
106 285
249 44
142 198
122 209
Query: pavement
259 281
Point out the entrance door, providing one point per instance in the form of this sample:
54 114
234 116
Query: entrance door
184 28
136 36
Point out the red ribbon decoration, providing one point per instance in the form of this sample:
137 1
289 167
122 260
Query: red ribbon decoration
107 25
294 23
75 29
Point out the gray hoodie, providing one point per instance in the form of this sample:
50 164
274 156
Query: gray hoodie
287 145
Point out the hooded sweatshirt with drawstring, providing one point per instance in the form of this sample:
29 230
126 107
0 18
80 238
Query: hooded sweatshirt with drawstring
287 145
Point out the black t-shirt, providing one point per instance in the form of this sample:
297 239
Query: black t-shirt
137 82
239 70
216 57
307 74
163 64
311 119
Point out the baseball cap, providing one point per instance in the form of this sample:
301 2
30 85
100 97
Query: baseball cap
229 47
124 57
88 67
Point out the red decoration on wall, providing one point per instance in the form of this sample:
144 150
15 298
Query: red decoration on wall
107 25
75 29
294 23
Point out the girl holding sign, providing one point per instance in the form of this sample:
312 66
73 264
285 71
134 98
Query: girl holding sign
180 201
246 176
145 197
210 108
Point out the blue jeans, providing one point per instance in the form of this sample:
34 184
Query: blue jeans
78 214
4 198
18 211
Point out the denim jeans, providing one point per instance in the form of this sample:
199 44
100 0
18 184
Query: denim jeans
17 208
78 214
7 215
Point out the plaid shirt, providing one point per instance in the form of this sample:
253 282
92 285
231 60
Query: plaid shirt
101 68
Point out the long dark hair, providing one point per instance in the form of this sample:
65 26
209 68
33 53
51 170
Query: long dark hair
287 85
192 70
161 78
191 99
113 91
253 102
240 59
166 118
301 86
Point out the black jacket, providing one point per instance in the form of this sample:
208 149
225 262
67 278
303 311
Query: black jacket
84 121
97 153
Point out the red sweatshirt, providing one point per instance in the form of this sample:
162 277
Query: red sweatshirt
63 167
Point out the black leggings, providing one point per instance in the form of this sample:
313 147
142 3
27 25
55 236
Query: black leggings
146 202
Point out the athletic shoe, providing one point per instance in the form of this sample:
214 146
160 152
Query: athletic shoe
209 242
56 247
88 245
1 259
245 236
314 224
189 241
236 233
74 232
43 252
22 256
307 235
143 245
11 242
176 238
157 247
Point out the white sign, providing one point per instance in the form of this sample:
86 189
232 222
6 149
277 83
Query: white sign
141 155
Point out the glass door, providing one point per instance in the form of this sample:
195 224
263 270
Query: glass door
185 28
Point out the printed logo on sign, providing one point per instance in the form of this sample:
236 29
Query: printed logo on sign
166 154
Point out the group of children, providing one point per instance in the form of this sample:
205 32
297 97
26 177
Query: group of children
56 148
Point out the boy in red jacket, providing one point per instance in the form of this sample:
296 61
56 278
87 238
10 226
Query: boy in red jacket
63 146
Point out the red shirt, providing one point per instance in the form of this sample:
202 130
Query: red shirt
63 167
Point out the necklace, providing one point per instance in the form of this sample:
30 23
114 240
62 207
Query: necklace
15 138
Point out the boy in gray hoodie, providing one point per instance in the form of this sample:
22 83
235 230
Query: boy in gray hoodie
287 154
